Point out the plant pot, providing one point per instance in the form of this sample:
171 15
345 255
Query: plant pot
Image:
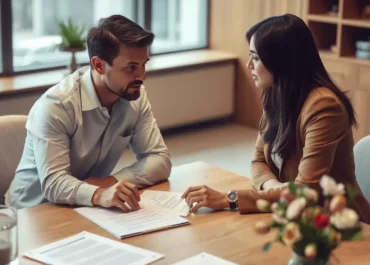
73 64
299 260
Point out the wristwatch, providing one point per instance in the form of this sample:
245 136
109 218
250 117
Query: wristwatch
232 196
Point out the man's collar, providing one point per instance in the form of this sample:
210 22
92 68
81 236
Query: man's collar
89 98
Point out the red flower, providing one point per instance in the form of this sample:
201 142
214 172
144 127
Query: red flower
321 221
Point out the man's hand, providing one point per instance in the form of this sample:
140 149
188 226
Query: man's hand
117 195
203 196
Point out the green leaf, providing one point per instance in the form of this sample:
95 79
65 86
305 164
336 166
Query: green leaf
292 188
352 192
72 34
357 236
266 247
354 234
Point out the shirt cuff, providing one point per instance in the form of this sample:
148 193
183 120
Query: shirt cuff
85 193
260 180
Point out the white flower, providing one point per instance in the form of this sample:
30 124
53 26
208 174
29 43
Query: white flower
291 234
338 203
295 208
310 194
263 205
277 210
274 207
345 219
261 227
278 219
310 251
330 186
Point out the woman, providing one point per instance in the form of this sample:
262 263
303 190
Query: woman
306 127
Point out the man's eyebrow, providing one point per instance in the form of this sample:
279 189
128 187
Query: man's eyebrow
136 63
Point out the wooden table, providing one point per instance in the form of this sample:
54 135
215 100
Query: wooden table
228 235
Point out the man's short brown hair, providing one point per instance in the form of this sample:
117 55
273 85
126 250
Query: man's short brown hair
112 32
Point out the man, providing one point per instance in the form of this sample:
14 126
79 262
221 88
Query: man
78 130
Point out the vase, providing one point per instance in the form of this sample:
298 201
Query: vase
73 65
299 260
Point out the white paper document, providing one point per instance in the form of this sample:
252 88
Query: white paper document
86 249
148 218
204 259
167 200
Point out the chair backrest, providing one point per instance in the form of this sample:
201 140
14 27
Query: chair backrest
12 138
362 163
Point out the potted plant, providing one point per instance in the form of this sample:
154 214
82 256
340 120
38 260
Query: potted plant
73 40
312 231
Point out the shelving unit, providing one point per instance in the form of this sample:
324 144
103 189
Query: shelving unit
341 29
336 32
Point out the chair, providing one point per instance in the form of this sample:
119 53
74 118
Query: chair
12 138
362 163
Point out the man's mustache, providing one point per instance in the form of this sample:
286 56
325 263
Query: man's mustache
135 83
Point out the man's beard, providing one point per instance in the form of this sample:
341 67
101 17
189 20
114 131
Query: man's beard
126 94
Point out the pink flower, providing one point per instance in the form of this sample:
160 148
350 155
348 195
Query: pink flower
295 208
274 207
263 205
286 197
291 234
330 186
310 213
338 203
310 251
345 219
261 227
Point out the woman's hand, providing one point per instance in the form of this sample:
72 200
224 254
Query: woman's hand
203 196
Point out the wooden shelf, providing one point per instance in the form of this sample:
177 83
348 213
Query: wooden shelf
342 30
347 71
327 54
354 60
323 18
363 23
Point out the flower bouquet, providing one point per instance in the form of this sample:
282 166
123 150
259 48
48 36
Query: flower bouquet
312 231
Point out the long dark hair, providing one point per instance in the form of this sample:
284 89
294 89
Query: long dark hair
287 49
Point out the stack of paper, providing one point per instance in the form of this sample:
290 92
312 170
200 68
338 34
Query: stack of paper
167 200
159 210
204 259
86 249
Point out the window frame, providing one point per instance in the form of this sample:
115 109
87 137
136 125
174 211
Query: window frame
6 27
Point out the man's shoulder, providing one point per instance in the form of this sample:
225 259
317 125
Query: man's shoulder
68 89
62 97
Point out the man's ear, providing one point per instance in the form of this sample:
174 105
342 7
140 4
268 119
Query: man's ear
98 64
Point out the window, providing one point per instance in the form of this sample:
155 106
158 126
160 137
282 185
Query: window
178 25
36 32
1 48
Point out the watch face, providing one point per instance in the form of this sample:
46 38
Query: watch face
233 196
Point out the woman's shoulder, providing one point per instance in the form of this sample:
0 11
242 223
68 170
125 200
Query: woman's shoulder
323 101
322 93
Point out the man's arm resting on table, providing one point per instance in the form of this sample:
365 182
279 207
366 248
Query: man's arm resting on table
102 182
